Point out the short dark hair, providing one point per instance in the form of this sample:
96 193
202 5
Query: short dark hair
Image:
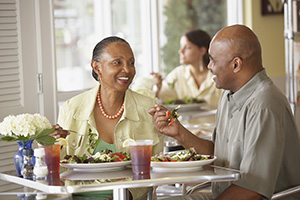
201 39
100 49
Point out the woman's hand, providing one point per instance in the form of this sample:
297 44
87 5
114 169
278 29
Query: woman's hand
59 132
157 80
161 122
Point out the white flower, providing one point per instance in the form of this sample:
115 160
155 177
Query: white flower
23 125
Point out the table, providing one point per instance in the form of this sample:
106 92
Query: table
77 182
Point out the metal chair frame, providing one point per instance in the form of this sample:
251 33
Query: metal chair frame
277 195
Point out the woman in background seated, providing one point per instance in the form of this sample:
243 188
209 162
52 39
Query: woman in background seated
111 110
192 78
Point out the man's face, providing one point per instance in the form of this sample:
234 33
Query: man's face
221 59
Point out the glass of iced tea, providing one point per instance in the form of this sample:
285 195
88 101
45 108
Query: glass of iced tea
141 152
52 157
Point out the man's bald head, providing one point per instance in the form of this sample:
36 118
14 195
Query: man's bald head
235 57
241 42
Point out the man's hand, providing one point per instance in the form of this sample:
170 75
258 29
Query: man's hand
179 132
161 121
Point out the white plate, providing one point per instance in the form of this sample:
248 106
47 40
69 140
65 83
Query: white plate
186 107
97 167
79 175
180 166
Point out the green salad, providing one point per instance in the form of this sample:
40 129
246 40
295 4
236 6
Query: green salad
184 155
100 157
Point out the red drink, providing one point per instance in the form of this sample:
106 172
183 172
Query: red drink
52 157
54 179
141 152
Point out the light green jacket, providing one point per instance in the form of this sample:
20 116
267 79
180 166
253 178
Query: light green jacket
77 114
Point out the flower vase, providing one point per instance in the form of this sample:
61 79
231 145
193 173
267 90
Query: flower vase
18 158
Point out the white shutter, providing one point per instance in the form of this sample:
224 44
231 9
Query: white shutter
26 49
9 72
9 55
9 80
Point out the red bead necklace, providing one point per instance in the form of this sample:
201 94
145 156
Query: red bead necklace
103 111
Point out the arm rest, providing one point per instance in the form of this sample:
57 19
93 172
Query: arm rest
198 187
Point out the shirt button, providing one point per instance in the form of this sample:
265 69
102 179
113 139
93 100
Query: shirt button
74 143
120 139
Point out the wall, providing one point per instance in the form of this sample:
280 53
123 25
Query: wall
270 32
269 29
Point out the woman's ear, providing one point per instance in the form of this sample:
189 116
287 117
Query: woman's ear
96 68
203 51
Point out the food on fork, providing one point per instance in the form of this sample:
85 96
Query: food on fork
172 115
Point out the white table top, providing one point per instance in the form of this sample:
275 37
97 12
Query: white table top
75 182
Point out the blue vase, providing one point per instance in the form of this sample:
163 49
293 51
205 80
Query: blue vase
18 158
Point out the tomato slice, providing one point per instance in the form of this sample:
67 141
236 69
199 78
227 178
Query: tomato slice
120 156
117 159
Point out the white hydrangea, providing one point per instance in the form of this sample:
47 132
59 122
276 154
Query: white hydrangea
23 124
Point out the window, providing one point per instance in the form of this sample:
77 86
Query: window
75 35
177 16
152 28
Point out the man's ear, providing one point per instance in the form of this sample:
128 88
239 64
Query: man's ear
237 64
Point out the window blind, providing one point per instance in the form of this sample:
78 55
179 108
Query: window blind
10 95
9 81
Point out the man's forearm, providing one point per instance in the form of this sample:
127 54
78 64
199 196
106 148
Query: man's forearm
240 193
189 140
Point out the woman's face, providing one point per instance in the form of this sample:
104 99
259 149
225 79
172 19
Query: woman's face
116 67
189 53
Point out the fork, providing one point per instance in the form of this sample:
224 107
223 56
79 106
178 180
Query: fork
75 132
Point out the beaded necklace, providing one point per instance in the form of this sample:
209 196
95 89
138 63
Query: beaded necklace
103 111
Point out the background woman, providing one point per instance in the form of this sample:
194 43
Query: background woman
111 110
191 78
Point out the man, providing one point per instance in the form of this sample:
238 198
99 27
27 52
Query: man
255 129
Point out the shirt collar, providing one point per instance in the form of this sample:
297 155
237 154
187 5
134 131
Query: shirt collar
247 90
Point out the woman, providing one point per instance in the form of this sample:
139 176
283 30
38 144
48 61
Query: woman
191 79
111 111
